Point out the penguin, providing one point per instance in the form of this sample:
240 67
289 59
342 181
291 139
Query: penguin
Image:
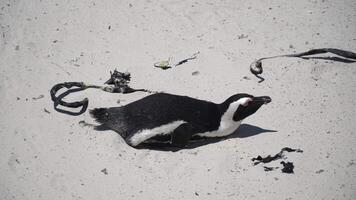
174 120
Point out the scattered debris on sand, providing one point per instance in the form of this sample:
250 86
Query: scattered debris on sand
246 78
270 158
105 171
119 79
242 36
267 169
117 83
287 166
342 56
165 64
195 73
39 97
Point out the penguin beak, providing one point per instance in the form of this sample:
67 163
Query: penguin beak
262 99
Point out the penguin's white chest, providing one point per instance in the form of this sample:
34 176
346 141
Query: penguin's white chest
227 124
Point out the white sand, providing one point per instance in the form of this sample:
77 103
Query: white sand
49 156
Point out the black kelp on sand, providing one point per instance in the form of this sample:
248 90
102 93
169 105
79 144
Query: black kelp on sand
287 166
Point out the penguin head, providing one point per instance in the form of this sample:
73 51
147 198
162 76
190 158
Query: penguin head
245 104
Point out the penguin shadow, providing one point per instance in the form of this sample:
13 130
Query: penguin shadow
244 131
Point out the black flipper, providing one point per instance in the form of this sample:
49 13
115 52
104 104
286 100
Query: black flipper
179 139
181 135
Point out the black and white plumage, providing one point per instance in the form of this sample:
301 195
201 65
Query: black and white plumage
174 119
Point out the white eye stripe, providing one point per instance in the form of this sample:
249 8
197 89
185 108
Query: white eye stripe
244 101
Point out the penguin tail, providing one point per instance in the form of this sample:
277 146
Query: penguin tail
100 114
108 119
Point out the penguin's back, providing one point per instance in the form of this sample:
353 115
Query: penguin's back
157 110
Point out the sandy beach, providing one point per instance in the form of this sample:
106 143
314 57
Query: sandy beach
48 155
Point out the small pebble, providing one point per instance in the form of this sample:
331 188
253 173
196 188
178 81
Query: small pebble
104 171
195 73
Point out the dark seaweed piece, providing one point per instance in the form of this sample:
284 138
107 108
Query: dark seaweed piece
58 100
270 158
267 169
287 167
120 82
345 57
194 56
288 149
119 79
266 159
